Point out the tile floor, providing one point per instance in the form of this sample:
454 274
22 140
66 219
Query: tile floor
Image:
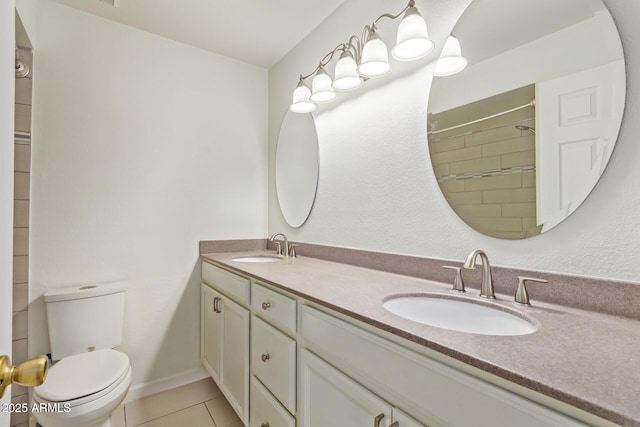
200 404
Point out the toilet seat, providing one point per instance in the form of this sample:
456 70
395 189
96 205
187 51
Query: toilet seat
82 378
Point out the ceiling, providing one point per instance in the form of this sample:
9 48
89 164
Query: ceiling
258 32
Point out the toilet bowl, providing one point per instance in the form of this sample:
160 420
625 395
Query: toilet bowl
83 390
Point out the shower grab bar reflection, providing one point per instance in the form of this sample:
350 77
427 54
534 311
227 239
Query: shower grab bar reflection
482 119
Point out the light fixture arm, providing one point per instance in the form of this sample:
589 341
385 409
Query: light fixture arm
411 4
324 61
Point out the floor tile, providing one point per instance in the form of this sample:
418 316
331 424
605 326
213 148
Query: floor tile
195 416
170 401
222 413
117 418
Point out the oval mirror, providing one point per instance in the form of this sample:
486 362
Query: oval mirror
520 137
297 167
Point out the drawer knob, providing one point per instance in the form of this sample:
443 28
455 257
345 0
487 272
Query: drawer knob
396 424
377 419
265 357
264 425
266 305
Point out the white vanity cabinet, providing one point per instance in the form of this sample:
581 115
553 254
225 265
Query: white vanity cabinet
330 398
225 335
273 358
430 391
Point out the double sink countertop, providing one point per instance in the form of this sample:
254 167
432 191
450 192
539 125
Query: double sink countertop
586 359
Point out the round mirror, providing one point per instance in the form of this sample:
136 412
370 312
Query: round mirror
520 137
297 167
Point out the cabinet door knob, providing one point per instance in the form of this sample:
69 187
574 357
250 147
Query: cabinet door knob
266 305
215 305
394 424
264 425
377 419
265 357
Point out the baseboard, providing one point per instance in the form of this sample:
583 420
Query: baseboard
138 391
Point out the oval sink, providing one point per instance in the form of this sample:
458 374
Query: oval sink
258 258
458 315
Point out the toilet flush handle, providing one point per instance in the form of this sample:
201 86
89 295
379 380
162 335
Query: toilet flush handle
30 373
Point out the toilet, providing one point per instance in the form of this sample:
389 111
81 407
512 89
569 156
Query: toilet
89 379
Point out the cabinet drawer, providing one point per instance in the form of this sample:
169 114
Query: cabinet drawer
232 285
273 361
274 307
265 410
423 387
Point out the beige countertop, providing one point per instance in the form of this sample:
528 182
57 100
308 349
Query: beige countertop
585 359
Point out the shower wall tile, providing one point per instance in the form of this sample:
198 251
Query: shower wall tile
512 145
23 91
475 165
20 269
20 241
21 213
21 185
494 182
519 210
20 323
19 351
22 161
519 159
23 118
22 169
21 297
518 195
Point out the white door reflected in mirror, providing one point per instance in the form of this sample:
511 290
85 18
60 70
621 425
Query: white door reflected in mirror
297 166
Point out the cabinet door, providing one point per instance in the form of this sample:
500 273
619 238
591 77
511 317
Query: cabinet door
210 332
400 419
234 369
330 398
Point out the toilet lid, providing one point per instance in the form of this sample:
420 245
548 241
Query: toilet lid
82 375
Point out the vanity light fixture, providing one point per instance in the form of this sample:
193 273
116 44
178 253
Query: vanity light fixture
451 60
364 58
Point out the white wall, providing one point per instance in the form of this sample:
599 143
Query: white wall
7 91
528 64
142 146
377 190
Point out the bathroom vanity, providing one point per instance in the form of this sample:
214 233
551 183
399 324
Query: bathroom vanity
307 342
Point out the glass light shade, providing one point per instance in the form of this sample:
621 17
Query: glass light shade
346 74
451 60
321 89
413 39
375 58
301 102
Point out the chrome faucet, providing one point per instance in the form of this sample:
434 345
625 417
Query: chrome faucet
486 290
281 251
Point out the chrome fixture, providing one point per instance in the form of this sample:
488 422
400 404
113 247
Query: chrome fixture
523 127
22 69
486 290
458 284
280 249
364 58
522 296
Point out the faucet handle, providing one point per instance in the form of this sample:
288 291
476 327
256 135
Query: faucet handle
292 250
522 296
458 284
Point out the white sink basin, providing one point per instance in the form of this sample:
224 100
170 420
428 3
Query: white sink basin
258 258
458 315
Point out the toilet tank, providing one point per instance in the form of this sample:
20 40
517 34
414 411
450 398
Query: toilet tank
85 318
